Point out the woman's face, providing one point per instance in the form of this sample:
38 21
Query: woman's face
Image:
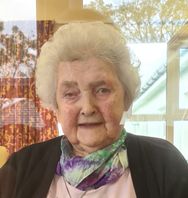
90 102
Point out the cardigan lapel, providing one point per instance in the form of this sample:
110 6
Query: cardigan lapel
38 184
135 158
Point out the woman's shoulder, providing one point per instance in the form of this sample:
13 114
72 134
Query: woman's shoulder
54 142
30 162
149 142
153 159
154 148
36 151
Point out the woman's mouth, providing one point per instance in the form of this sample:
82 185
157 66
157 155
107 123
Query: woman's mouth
90 124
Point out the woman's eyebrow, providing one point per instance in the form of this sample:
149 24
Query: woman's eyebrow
69 84
98 83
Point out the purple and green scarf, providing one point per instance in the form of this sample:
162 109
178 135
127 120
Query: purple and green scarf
96 169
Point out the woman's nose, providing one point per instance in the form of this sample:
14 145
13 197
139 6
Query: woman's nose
88 106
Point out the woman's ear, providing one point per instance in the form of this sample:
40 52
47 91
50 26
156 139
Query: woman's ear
127 101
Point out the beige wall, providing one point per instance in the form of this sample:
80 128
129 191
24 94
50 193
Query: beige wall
52 9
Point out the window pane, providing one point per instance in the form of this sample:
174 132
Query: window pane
153 129
11 10
183 87
152 98
181 137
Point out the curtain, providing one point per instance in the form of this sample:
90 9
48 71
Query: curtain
23 121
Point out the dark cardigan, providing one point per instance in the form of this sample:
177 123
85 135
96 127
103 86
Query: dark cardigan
158 169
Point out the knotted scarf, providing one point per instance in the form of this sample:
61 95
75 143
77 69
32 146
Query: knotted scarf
96 169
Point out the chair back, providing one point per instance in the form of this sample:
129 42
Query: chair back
4 154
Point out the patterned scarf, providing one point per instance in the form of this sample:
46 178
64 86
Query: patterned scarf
96 169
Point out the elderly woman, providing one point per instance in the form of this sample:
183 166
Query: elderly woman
84 74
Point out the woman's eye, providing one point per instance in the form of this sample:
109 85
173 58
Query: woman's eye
103 91
70 95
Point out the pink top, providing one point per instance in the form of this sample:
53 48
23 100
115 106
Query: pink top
120 189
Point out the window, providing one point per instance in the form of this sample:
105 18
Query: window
183 80
181 136
11 10
157 36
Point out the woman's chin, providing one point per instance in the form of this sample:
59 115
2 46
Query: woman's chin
92 143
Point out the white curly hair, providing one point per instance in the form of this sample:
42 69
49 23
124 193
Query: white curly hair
79 41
